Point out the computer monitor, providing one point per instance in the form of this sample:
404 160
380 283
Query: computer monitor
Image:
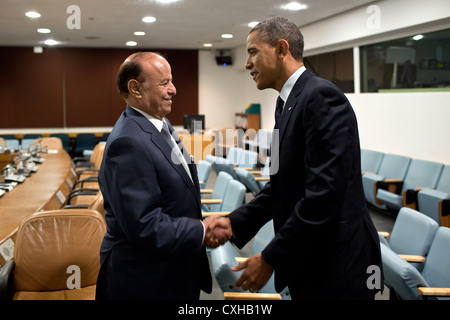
194 122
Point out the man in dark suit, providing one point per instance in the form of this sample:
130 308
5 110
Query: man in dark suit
324 240
154 247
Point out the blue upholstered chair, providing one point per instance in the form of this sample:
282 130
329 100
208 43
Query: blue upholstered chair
248 179
392 167
412 234
218 193
421 174
432 201
84 141
224 257
370 160
406 282
203 170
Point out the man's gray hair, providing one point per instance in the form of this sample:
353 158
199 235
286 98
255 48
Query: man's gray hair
274 29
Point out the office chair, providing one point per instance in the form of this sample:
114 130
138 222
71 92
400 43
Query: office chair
412 234
203 170
421 174
65 140
224 257
370 160
84 141
392 168
218 193
407 283
50 247
433 202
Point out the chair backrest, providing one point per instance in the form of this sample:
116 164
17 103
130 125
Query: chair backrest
85 141
97 204
234 154
49 242
371 160
437 266
64 138
203 170
234 196
27 143
262 238
413 232
219 190
248 159
444 180
248 179
2 143
225 165
422 173
394 166
49 142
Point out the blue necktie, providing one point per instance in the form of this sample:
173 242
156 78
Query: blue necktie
278 111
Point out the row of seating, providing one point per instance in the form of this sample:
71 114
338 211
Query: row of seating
392 181
231 186
416 259
83 142
79 220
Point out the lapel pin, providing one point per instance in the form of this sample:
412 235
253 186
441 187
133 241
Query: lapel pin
290 108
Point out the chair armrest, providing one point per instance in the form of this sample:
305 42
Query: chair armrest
434 292
7 280
410 198
384 234
250 296
412 258
82 181
444 212
241 259
206 190
391 185
262 178
211 201
80 172
256 171
208 214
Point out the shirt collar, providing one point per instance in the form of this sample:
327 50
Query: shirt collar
156 122
287 88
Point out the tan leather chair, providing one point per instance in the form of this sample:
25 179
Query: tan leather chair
48 245
49 143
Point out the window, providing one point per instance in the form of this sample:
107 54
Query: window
416 63
334 66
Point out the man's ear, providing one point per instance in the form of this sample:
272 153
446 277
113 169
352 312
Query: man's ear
134 88
283 48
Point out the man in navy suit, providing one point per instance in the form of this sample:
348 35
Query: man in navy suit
154 247
325 244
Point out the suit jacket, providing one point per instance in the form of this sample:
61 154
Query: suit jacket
153 245
324 237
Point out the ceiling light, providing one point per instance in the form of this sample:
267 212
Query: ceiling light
227 36
51 42
418 37
253 24
294 6
166 1
32 14
148 19
131 43
207 45
43 30
139 33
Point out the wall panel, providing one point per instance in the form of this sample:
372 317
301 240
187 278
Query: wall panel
76 87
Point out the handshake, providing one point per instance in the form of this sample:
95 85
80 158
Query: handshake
217 231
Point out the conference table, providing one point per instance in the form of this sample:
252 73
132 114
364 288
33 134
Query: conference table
45 189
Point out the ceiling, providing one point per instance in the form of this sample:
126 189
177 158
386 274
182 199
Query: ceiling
184 24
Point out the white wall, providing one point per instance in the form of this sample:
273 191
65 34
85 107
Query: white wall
411 124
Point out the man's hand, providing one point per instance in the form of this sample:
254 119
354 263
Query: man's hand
257 273
217 231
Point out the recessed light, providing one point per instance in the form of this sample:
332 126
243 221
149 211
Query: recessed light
227 36
51 42
139 33
418 37
43 30
33 14
207 45
131 43
253 24
148 19
294 6
166 1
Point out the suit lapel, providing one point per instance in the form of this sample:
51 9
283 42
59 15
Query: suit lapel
161 144
291 102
